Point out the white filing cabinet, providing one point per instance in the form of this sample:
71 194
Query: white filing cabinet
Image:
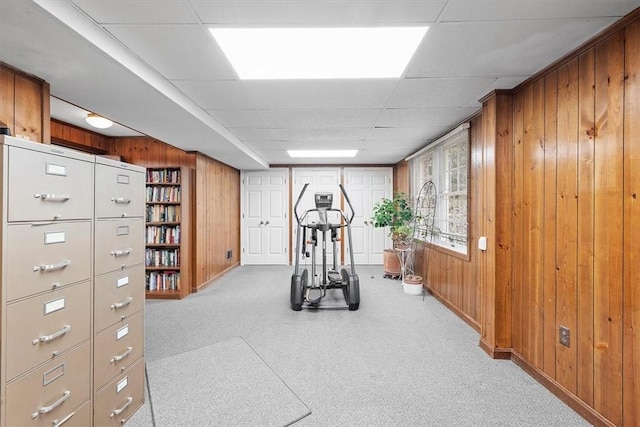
72 296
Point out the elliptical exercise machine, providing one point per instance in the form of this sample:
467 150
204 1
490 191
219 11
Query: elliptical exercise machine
309 289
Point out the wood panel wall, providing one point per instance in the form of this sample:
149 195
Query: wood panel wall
554 185
217 222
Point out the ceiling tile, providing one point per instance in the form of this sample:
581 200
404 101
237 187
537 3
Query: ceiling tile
169 50
321 135
238 118
440 92
320 94
492 10
303 119
495 48
137 12
321 12
419 117
415 134
215 95
252 134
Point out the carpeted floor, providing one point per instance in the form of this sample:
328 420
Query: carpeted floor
397 361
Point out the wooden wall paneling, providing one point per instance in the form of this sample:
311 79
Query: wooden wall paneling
566 223
28 108
608 243
533 209
186 188
455 281
586 131
7 98
401 178
502 218
549 223
631 278
517 304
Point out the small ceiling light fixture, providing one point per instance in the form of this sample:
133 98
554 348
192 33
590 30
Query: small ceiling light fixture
98 121
322 153
319 53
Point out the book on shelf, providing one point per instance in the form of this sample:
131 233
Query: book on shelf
163 234
163 176
163 213
163 194
163 280
162 257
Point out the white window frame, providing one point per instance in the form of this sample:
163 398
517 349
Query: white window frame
451 231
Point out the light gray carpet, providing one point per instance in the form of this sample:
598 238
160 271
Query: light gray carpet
220 385
397 361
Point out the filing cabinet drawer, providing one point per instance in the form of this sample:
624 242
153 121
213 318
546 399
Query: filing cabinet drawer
118 295
119 244
49 324
43 257
52 392
121 191
47 187
117 348
121 398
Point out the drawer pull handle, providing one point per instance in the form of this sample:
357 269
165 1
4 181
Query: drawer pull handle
121 200
121 410
124 303
52 267
121 356
54 405
53 336
52 197
58 423
121 252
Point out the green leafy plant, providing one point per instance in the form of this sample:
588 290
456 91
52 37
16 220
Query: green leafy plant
396 214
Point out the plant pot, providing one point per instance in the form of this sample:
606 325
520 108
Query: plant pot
391 263
412 285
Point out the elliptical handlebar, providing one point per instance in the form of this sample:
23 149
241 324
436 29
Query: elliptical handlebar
353 213
295 208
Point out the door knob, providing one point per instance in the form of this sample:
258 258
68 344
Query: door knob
266 223
261 222
366 223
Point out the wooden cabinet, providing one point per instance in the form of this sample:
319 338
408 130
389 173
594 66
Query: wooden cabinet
72 291
167 240
24 104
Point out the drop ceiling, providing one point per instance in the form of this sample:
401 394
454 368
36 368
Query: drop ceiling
153 67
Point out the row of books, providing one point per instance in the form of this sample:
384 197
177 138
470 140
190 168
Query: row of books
163 280
163 234
163 176
163 194
162 257
162 213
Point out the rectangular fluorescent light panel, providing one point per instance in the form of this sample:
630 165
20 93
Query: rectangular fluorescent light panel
322 153
319 53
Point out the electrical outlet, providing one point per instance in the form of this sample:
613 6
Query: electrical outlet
565 336
229 254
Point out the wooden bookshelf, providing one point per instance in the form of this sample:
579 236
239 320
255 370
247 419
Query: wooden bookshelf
167 237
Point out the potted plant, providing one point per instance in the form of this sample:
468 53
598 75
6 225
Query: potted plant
396 214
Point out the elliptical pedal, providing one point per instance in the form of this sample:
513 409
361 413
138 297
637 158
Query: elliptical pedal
313 296
334 277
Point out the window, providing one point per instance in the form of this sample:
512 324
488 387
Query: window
444 220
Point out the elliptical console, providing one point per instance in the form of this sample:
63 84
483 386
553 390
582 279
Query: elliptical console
308 289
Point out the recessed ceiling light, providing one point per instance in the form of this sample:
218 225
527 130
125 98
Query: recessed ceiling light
319 53
322 153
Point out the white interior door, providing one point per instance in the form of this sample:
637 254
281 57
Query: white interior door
320 180
264 218
365 187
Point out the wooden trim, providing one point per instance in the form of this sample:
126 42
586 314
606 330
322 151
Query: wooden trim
495 353
199 287
583 409
78 147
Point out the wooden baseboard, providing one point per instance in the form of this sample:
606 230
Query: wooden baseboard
585 411
495 353
204 285
467 319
